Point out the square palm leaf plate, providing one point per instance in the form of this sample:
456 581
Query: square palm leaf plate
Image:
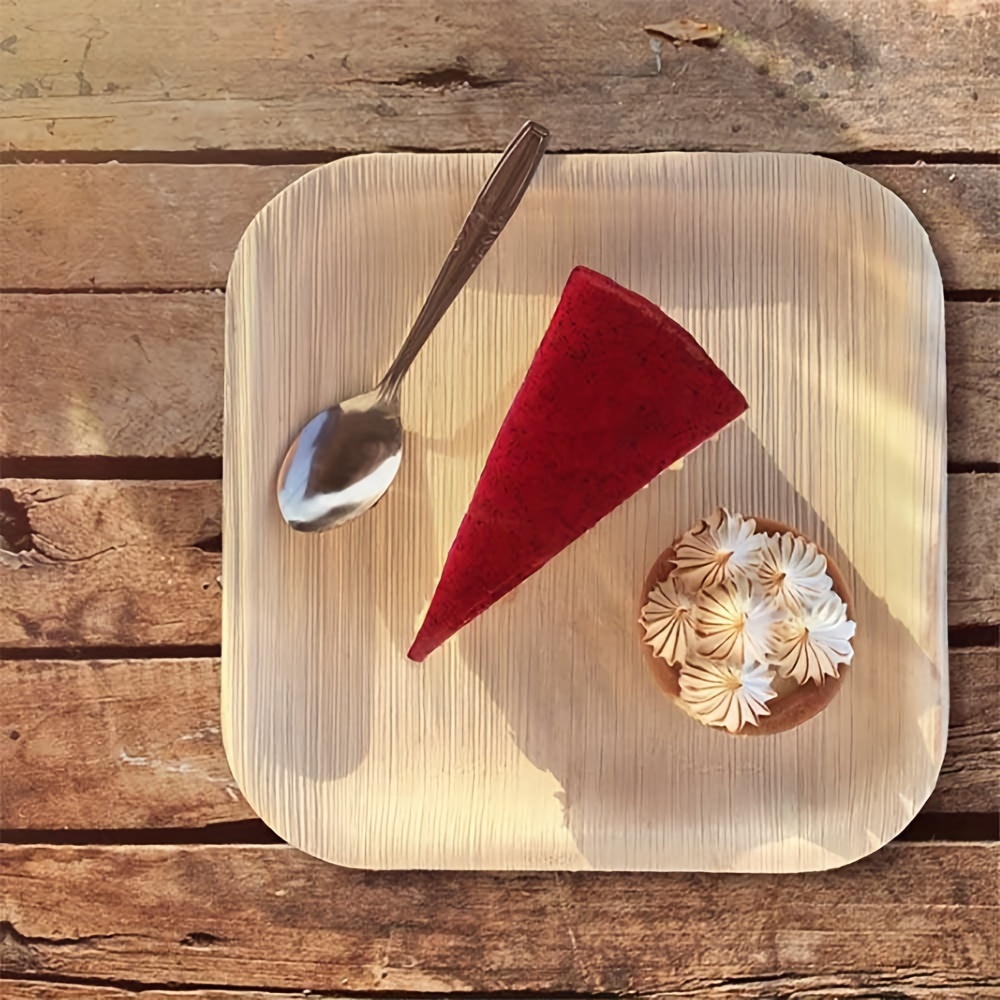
537 738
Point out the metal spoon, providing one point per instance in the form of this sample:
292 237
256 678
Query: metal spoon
346 457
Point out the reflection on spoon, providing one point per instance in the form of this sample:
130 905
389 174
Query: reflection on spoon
362 449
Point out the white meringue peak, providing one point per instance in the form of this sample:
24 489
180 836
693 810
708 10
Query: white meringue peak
734 623
726 695
722 548
814 644
792 572
668 618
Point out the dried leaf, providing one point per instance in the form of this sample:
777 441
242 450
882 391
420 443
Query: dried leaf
686 30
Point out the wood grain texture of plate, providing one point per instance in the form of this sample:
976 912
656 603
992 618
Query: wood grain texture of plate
536 738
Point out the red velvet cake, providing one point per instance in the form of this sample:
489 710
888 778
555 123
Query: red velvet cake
616 393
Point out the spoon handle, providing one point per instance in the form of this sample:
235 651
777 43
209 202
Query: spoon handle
492 210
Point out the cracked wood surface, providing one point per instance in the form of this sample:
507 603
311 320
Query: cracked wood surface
176 227
110 563
141 375
136 744
126 563
827 75
925 913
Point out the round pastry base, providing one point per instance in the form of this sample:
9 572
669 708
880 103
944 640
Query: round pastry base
795 703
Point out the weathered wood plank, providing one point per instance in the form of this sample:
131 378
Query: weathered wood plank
176 227
110 563
946 200
970 774
136 563
35 989
140 226
199 914
793 987
121 375
136 744
973 369
973 540
141 375
802 75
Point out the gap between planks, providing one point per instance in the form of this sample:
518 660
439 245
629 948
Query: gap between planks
959 637
137 468
317 157
991 294
953 827
782 986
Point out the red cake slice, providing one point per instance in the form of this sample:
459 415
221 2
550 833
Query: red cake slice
616 393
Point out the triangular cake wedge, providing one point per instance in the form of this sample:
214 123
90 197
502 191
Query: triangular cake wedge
616 393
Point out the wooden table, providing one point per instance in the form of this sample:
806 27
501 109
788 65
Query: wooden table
139 139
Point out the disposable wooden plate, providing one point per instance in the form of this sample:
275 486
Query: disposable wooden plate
537 739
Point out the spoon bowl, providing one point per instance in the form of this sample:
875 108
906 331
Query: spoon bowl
345 458
341 463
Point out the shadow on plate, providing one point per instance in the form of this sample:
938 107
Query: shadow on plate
643 785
